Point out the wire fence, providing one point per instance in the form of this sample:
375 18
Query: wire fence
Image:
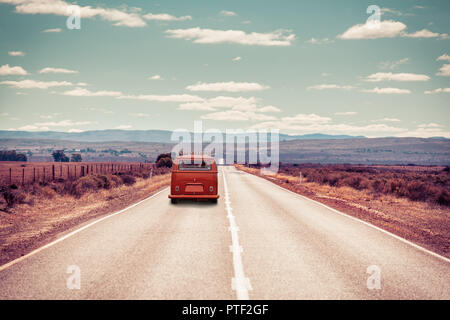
23 173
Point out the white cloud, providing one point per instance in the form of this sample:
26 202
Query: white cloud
329 86
123 127
385 29
75 130
269 109
387 120
6 70
389 76
82 84
444 57
439 90
16 53
244 108
221 102
198 35
391 11
164 98
29 128
196 106
63 123
82 92
388 91
236 115
62 8
444 70
372 30
392 64
155 77
45 126
165 17
228 13
430 125
237 59
57 70
102 110
54 30
227 86
33 84
425 132
328 127
422 34
347 113
301 118
320 41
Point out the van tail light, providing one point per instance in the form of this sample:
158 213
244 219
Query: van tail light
211 189
177 188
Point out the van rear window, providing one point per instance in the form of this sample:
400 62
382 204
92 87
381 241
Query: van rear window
194 165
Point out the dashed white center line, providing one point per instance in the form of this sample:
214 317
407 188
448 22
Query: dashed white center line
239 283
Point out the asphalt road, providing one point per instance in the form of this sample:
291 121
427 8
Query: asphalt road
258 242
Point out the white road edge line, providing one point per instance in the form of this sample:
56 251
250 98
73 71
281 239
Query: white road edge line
361 221
48 245
239 283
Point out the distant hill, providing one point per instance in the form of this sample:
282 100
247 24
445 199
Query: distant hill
160 136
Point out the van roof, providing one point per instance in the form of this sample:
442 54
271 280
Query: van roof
194 157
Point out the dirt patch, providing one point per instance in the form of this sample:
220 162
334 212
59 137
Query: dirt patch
40 219
424 223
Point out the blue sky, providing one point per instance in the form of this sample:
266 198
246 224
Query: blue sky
301 67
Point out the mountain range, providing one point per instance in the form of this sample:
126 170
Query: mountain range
160 136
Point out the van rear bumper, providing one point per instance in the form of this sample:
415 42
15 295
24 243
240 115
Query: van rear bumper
193 196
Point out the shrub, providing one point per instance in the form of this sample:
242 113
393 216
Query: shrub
164 162
84 184
444 198
115 181
128 180
12 196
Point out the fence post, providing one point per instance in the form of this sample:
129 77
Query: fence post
87 169
60 171
23 176
34 175
43 178
75 175
68 172
53 172
10 175
82 171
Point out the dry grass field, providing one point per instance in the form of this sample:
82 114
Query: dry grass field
32 215
409 201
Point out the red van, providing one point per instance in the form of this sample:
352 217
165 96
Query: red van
194 177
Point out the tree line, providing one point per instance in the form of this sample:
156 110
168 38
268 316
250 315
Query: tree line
12 155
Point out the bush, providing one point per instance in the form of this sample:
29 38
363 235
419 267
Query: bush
164 162
444 198
87 183
12 196
128 180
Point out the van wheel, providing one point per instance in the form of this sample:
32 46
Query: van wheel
174 201
213 200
